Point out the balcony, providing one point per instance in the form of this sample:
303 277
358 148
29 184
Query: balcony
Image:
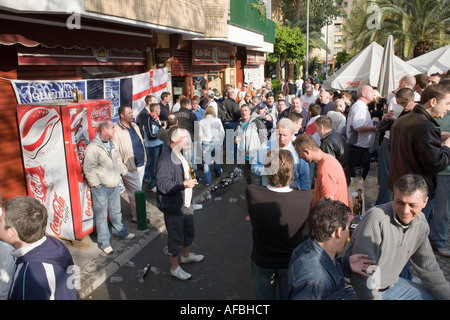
243 15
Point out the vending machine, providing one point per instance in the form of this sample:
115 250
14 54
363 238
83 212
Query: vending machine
53 137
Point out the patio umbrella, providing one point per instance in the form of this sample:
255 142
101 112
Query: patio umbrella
364 68
386 78
436 61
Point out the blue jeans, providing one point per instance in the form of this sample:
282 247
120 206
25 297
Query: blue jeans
441 212
266 282
211 150
152 160
107 200
407 290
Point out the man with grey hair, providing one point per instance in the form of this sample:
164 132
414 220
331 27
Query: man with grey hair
283 139
173 198
391 234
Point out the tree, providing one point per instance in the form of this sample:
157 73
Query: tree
289 47
342 58
418 26
321 12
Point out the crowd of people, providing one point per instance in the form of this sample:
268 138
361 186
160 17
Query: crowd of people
297 153
300 151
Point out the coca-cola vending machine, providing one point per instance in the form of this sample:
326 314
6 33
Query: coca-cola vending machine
54 136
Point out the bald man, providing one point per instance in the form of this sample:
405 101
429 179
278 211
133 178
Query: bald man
361 131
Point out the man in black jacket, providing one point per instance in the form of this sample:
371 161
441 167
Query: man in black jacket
332 143
187 119
232 116
173 198
416 144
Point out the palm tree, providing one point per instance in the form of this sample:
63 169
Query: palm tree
418 26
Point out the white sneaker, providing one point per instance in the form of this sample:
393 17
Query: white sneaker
180 273
444 252
108 250
130 236
192 257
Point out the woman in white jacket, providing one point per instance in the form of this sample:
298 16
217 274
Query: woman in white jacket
211 136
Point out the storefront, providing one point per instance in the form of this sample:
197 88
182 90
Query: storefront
197 66
254 68
40 49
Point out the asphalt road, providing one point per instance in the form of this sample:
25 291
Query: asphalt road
223 236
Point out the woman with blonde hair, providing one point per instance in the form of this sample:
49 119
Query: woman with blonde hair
211 135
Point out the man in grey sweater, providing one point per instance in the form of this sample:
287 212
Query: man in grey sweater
391 234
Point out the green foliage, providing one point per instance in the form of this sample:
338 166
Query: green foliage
289 45
418 26
276 84
314 65
320 11
342 58
260 5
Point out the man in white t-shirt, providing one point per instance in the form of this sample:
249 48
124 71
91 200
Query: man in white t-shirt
361 131
309 97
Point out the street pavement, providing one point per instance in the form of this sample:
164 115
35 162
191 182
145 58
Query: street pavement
96 267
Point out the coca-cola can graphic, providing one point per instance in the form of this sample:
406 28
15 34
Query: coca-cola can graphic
36 126
35 182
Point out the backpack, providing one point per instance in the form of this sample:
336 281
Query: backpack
222 110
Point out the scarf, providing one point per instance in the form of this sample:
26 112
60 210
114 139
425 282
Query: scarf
156 117
187 191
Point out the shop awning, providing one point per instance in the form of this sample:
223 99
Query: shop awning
30 32
40 55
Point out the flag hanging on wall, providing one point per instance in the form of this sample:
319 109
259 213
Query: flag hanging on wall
130 90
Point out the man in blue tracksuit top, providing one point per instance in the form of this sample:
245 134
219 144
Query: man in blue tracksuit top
44 265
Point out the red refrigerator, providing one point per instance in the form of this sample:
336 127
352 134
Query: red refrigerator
54 136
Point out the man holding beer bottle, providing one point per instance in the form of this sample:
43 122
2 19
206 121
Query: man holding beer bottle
173 196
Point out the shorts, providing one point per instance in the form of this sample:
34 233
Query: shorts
180 231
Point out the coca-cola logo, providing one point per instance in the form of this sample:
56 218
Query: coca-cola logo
101 112
36 185
36 129
353 83
88 211
58 206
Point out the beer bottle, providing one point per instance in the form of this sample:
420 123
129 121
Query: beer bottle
360 201
191 171
355 204
75 93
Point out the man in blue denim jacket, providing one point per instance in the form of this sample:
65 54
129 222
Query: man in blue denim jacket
314 273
